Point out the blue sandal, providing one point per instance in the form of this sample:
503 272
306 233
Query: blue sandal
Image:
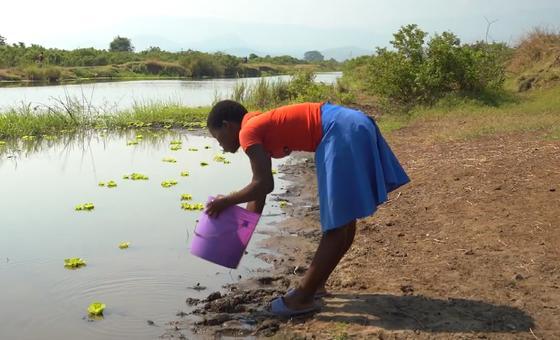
279 308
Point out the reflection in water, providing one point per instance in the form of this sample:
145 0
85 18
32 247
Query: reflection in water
43 180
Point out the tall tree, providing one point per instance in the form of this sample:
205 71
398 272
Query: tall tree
313 56
121 44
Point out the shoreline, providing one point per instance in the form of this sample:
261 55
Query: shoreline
241 308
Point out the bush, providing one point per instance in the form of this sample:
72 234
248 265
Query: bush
416 72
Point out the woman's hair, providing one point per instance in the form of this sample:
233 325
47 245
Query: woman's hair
227 110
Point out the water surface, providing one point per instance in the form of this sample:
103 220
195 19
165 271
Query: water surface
41 184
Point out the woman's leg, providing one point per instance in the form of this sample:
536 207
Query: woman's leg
332 247
349 240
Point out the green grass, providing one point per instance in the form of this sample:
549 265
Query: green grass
25 121
535 111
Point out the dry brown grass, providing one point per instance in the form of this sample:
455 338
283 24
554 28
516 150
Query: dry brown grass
538 46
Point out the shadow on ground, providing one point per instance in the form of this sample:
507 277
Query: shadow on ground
423 313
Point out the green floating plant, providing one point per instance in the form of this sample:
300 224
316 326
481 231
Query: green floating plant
169 160
2 142
169 183
274 171
192 206
50 137
176 147
186 197
193 149
111 184
176 142
283 204
185 173
136 176
203 164
221 159
167 126
28 138
139 137
96 308
132 142
85 207
101 184
74 263
124 245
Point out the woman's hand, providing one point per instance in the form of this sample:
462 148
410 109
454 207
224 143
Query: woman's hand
217 205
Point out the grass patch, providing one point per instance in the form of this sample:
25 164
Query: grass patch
71 116
537 111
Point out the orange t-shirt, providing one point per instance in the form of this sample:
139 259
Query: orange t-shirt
283 130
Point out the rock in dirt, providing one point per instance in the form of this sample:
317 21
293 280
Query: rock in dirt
214 320
214 296
407 289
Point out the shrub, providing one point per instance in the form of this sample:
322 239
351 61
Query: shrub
420 72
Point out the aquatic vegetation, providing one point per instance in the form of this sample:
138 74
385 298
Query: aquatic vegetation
203 164
111 184
176 142
132 142
274 171
169 160
193 149
169 183
96 308
186 197
185 173
84 207
192 206
2 143
136 176
221 159
139 137
74 263
124 245
101 184
176 147
50 137
283 204
28 138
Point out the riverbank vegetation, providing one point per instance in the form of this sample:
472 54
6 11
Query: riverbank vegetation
36 63
467 90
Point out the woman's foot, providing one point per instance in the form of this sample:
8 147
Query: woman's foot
295 300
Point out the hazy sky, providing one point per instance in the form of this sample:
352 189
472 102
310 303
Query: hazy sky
264 25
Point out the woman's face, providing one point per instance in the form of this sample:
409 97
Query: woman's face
227 135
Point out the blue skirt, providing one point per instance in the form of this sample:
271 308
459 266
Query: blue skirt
355 167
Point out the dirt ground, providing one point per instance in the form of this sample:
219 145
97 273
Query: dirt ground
470 249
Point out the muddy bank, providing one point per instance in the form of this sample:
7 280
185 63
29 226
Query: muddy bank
469 250
242 308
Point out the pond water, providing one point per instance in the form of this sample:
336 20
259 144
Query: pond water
120 95
42 183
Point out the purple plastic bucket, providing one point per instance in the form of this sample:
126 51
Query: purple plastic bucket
222 240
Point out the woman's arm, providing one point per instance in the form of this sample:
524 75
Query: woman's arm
261 184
